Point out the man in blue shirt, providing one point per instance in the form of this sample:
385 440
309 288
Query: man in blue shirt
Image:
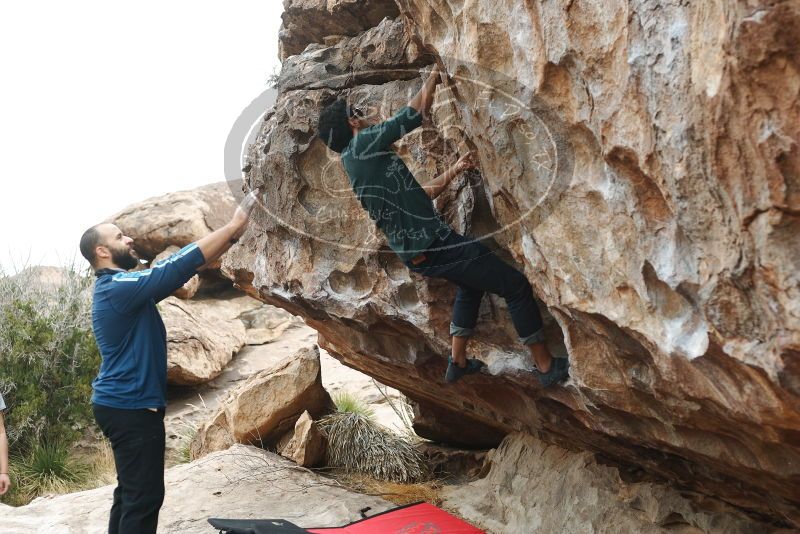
403 210
130 390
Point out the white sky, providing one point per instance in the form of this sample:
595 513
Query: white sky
105 103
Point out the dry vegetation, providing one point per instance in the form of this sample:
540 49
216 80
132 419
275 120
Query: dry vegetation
357 444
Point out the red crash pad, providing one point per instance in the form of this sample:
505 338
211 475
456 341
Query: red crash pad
421 518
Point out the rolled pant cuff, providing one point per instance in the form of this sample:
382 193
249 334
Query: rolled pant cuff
460 331
536 337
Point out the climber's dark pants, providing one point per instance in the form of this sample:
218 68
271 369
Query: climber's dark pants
137 439
476 270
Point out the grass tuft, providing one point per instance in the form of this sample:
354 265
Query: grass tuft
348 403
49 468
103 470
52 469
359 445
185 451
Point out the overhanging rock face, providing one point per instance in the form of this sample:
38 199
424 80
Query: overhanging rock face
639 161
311 21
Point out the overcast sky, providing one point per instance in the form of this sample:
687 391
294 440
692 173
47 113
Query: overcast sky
107 103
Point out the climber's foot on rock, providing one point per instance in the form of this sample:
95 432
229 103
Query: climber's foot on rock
454 372
559 371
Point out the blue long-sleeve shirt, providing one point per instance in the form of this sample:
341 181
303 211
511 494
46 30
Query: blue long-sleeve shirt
130 333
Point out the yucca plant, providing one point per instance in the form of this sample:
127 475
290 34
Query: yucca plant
48 468
358 444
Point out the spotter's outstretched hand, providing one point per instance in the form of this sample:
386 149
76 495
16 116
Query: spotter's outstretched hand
245 208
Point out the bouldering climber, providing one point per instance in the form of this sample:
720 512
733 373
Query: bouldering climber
403 210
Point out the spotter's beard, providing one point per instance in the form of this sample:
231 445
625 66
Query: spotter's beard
124 258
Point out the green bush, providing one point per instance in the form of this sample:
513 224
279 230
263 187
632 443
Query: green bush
48 356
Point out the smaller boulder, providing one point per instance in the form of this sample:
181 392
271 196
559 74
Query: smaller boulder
307 446
201 339
266 405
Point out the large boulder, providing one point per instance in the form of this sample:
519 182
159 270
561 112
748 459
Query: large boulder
639 162
176 219
266 405
202 337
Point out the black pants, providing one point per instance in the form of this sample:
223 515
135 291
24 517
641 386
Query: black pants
137 439
476 270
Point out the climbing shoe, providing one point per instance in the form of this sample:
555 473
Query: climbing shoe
454 372
559 371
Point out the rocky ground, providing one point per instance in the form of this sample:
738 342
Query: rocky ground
242 482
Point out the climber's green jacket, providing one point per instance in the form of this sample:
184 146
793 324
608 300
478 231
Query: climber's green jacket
387 189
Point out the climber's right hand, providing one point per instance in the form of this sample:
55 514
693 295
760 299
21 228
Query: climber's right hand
466 162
